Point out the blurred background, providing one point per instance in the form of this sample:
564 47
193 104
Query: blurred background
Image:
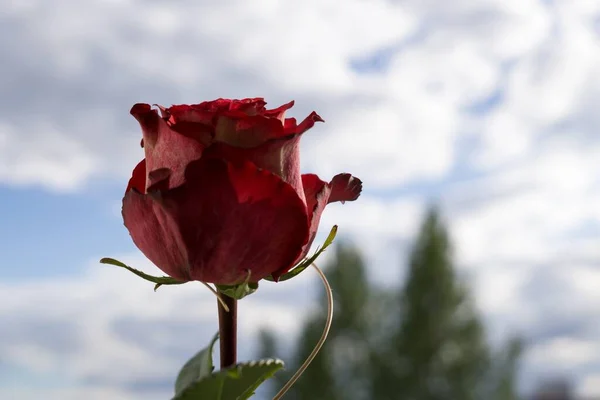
468 269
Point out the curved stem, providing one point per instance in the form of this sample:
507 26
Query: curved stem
228 331
319 344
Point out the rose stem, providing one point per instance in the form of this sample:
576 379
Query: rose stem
228 332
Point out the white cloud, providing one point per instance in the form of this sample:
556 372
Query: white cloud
105 330
546 87
532 205
390 128
528 235
44 156
489 105
589 386
375 216
566 353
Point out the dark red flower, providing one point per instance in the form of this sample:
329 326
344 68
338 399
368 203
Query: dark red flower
220 193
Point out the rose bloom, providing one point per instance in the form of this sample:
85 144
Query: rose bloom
220 197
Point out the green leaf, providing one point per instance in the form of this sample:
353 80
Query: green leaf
159 280
308 261
251 375
236 383
198 367
209 388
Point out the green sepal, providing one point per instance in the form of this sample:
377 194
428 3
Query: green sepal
235 383
159 280
307 261
198 367
239 291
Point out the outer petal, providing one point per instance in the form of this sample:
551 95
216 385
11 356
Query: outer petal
189 121
165 148
317 194
234 219
308 123
155 233
279 112
343 187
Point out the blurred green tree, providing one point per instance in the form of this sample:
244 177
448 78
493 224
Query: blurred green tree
340 370
425 342
439 350
504 370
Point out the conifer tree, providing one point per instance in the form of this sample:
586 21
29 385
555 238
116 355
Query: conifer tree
439 350
423 342
340 369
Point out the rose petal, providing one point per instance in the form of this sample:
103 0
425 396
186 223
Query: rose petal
155 233
344 187
164 147
214 105
280 156
247 131
253 106
158 180
308 122
279 112
235 218
138 178
318 193
190 122
242 128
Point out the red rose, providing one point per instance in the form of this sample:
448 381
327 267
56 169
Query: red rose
220 192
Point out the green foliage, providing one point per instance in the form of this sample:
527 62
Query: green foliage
159 280
197 381
240 291
440 349
235 291
423 342
235 383
339 369
248 377
197 368
307 262
504 383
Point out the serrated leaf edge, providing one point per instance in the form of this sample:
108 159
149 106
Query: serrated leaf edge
233 373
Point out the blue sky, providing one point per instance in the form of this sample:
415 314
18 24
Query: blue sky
487 107
39 226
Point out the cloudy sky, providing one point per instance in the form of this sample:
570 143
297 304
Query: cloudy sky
485 106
